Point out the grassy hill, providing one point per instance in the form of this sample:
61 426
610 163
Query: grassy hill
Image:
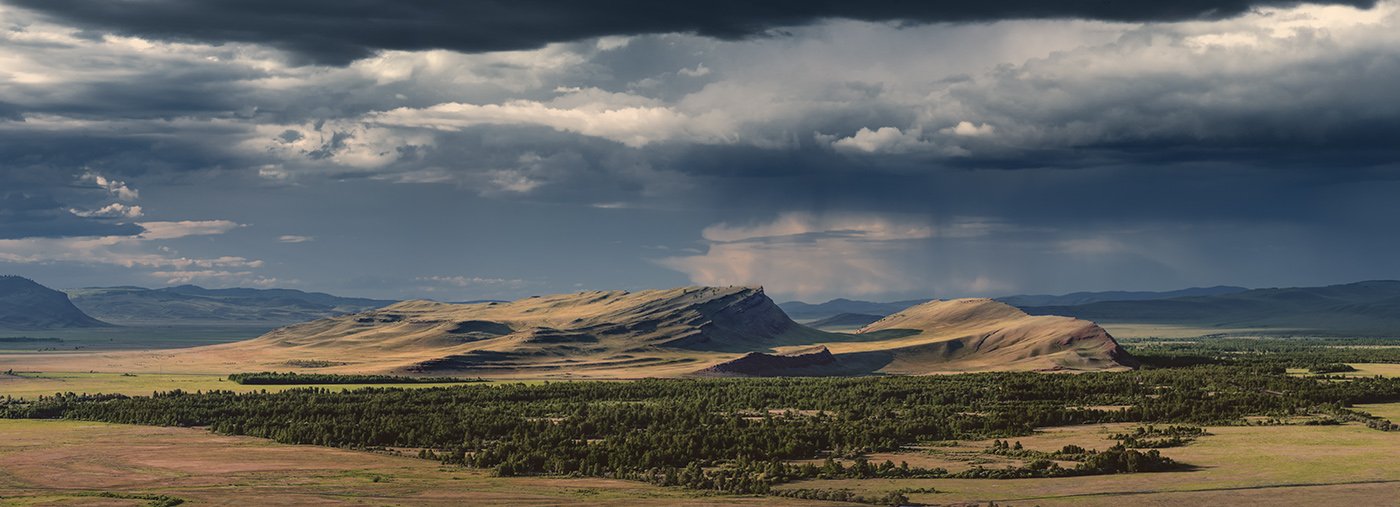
660 333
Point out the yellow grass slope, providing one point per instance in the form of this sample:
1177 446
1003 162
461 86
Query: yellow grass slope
983 335
705 331
597 333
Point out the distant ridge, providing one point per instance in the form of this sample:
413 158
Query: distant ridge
1370 307
808 311
1081 298
845 321
26 305
814 313
189 304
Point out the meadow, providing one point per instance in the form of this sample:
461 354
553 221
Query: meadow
1272 433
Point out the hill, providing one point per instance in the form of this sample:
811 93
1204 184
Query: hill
983 335
1082 298
1371 307
189 304
674 332
845 321
808 311
26 305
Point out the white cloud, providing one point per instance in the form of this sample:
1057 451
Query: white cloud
113 210
698 71
118 189
630 125
513 180
135 252
859 226
612 42
824 266
125 251
809 255
180 229
293 238
969 129
883 140
804 255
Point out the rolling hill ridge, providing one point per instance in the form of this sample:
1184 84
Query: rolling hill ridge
674 332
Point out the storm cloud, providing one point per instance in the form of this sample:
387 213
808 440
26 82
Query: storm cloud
886 151
339 31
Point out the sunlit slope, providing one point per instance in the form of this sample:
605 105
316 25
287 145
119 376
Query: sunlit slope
705 331
600 332
979 335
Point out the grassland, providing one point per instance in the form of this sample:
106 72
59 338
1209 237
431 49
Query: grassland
1362 370
1240 465
70 463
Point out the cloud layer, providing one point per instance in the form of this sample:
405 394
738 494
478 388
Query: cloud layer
884 149
338 32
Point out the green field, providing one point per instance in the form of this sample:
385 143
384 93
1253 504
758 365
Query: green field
1362 370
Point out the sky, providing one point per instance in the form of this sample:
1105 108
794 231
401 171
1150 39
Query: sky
877 150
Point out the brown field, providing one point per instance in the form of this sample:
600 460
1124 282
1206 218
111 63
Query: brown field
68 463
1236 465
1131 330
1362 370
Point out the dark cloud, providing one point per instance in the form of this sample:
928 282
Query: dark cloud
339 31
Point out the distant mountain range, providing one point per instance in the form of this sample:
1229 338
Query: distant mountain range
1084 298
845 321
808 311
26 305
1371 307
193 304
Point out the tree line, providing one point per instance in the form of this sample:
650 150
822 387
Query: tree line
292 378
